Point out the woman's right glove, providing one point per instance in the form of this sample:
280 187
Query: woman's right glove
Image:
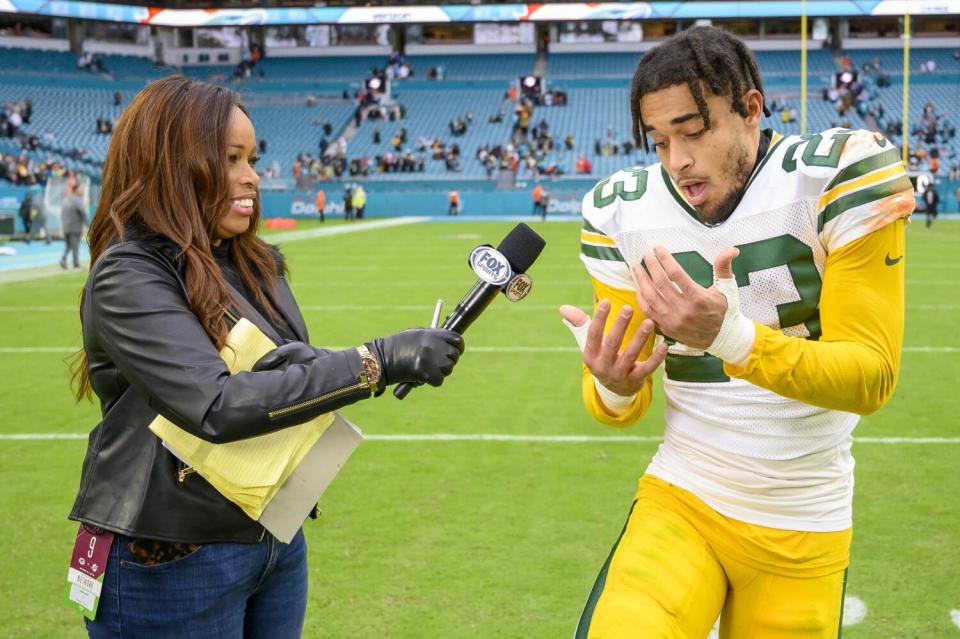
417 355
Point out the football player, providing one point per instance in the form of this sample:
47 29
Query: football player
766 272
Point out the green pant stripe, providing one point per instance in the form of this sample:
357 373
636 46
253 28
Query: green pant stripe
583 627
843 596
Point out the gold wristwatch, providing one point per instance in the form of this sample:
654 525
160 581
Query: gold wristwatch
371 367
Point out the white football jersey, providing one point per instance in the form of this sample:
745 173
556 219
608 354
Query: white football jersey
749 453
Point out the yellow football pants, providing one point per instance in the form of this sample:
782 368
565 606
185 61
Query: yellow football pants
679 564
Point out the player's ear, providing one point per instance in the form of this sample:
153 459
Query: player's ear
753 100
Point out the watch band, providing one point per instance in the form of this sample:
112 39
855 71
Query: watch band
371 367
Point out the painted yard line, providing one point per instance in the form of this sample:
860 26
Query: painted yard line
494 437
541 282
420 307
906 440
950 265
955 617
39 309
520 217
470 349
38 272
925 282
309 234
11 276
315 267
337 308
457 280
331 308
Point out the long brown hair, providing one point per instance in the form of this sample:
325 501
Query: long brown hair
166 173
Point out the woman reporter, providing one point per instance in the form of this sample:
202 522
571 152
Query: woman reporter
175 260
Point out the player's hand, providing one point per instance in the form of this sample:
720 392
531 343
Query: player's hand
684 310
617 370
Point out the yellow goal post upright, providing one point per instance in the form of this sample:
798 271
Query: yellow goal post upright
905 133
803 68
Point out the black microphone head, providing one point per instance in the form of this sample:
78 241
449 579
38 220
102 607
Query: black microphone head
522 246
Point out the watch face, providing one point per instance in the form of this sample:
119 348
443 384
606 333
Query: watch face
373 371
370 365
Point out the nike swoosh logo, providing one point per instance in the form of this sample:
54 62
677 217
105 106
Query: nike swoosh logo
891 262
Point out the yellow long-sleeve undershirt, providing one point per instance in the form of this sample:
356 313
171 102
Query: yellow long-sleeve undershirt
852 367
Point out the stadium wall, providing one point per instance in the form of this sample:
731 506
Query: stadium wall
118 48
388 200
39 44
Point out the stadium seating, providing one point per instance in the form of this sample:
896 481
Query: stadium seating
63 64
596 84
891 60
622 65
292 127
284 70
474 67
429 117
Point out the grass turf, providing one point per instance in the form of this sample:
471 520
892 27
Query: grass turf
483 538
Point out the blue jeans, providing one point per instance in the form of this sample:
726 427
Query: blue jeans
221 591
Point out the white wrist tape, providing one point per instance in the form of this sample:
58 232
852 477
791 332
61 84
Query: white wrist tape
618 404
737 333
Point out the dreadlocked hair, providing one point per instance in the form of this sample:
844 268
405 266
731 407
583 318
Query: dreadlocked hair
700 54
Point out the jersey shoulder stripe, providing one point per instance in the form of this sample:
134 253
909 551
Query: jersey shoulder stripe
596 244
600 210
878 175
882 160
608 252
868 192
865 185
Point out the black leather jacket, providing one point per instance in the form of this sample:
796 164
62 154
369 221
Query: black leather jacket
148 354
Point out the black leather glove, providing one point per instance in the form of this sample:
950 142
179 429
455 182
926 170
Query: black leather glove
289 353
417 355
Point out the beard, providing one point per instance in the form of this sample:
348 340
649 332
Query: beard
737 171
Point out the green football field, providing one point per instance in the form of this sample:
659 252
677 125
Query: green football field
466 536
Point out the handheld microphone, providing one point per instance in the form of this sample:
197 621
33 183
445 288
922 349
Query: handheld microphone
500 269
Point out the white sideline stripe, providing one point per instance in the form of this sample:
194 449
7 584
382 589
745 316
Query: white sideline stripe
308 234
906 440
339 308
955 617
295 284
494 437
345 265
30 273
470 349
854 611
921 281
421 307
417 283
953 265
35 309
